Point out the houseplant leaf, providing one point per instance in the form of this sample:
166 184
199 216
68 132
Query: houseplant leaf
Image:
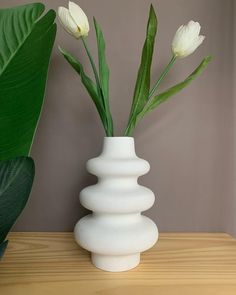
16 179
3 247
142 86
26 42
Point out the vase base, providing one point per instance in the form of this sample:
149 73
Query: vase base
115 263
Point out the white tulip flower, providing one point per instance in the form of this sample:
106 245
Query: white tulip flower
74 20
187 39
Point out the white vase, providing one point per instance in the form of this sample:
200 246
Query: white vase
116 232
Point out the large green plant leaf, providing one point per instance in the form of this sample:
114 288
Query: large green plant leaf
142 87
26 42
3 247
103 74
162 97
16 179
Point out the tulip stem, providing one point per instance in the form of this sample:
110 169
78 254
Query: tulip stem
163 74
139 116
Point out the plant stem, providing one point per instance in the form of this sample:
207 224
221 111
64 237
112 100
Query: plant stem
133 123
163 74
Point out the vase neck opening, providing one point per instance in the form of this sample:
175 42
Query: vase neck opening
118 147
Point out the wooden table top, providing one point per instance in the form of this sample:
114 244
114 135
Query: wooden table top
179 264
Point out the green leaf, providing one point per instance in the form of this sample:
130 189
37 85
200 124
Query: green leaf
16 179
103 67
26 42
87 82
160 98
142 86
3 247
103 72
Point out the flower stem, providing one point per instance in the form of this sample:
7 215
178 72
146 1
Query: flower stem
163 74
133 123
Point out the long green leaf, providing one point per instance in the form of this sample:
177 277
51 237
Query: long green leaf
142 86
26 42
16 179
88 83
162 97
103 73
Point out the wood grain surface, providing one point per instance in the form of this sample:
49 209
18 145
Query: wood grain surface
180 264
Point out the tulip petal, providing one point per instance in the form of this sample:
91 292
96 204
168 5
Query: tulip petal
68 22
201 39
194 28
187 39
79 18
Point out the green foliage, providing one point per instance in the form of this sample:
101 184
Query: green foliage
162 97
143 101
88 83
103 75
144 98
103 67
16 179
26 42
3 247
98 90
142 87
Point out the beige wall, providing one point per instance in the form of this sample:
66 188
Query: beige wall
233 196
188 141
230 208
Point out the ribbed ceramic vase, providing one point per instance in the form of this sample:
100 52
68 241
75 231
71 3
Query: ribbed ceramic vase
116 232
